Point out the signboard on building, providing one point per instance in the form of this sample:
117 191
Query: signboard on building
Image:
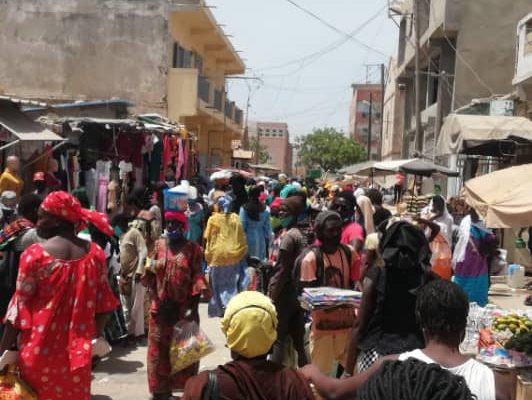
314 173
236 144
502 108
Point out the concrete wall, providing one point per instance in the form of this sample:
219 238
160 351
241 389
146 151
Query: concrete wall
523 68
182 93
486 41
89 49
393 124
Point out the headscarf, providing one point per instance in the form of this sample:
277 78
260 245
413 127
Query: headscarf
224 203
250 324
322 217
295 204
366 209
253 206
359 192
349 197
463 239
178 216
67 207
287 191
445 222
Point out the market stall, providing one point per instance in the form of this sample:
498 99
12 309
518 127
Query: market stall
503 198
110 157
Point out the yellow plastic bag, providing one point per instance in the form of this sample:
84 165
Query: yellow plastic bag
189 345
12 387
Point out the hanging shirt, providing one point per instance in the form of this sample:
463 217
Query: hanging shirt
11 181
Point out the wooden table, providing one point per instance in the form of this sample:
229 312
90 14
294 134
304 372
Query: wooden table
514 302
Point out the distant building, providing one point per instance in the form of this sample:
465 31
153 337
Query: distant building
523 69
167 57
275 136
393 121
467 52
362 122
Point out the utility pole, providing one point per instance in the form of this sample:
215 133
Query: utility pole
257 147
419 131
370 123
246 127
382 111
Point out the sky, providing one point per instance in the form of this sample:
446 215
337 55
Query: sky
306 67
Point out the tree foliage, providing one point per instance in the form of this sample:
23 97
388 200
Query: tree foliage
264 154
329 150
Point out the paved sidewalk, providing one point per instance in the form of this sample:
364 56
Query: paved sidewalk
123 375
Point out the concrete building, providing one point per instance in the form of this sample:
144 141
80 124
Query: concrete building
275 136
467 52
523 68
393 120
362 122
166 56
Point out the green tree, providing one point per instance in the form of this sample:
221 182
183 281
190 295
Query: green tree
264 155
329 150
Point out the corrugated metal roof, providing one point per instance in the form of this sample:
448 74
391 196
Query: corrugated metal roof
76 104
20 125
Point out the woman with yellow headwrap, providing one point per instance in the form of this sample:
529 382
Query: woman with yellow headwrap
250 325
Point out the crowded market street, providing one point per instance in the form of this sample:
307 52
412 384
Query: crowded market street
265 200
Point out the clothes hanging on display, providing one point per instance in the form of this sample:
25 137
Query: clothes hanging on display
166 155
179 161
91 184
129 146
112 196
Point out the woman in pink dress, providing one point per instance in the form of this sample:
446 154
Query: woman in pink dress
61 301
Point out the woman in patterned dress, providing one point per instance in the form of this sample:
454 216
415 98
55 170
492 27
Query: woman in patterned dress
175 282
61 301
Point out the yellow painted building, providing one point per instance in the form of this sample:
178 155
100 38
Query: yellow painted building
202 58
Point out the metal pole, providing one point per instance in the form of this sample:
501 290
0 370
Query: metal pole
419 132
257 147
246 128
382 110
370 123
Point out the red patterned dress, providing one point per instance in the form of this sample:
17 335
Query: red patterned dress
54 307
176 281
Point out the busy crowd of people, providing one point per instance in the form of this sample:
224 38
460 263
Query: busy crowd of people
71 277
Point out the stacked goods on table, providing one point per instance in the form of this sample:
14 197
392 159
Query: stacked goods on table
414 204
505 338
328 297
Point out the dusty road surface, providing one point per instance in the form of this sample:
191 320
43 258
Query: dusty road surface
123 375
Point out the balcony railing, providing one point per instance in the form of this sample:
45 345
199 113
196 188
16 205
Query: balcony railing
229 109
204 89
218 99
238 115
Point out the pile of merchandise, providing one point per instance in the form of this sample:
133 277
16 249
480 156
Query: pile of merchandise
328 297
503 337
415 204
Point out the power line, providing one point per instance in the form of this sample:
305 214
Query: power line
326 49
464 61
337 30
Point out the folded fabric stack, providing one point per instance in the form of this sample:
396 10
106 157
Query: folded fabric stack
328 297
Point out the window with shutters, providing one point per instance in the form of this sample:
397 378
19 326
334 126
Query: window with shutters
528 38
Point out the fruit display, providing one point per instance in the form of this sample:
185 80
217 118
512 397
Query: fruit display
515 323
521 342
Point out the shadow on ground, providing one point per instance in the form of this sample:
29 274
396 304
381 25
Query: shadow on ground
116 364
